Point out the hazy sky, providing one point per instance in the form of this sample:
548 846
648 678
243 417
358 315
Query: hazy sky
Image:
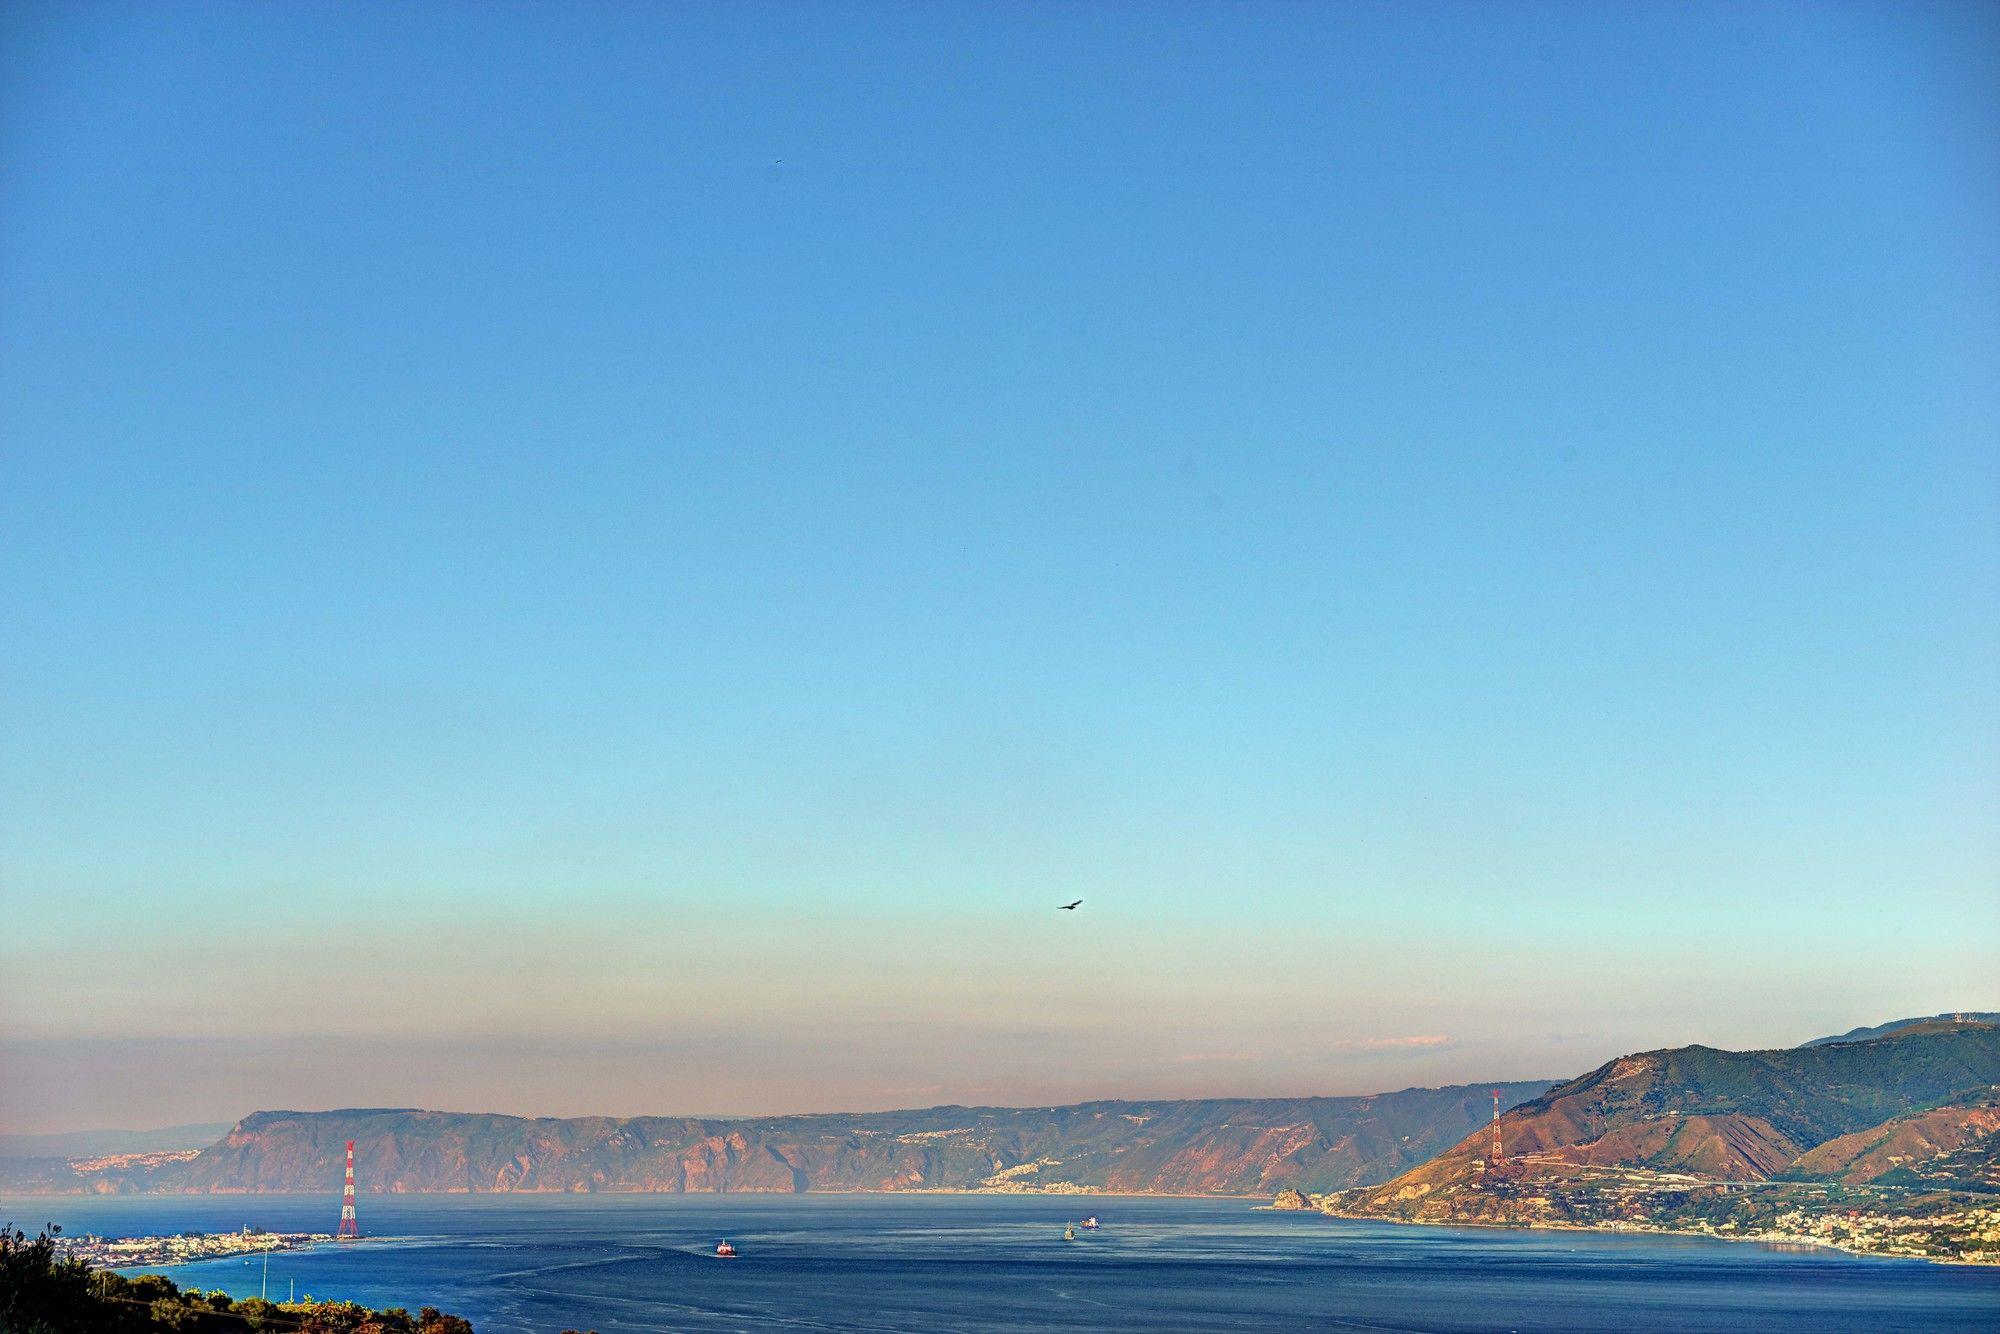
621 558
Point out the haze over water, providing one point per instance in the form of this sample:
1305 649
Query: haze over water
622 559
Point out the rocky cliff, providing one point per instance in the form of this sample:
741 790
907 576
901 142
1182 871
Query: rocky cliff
1250 1146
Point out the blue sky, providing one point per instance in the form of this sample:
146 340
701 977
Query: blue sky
1466 533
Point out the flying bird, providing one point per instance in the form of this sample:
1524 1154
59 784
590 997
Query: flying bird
1068 907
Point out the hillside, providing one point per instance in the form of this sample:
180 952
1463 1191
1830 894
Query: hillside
1956 1146
1895 1026
1181 1147
1647 1135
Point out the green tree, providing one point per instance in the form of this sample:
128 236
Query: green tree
41 1290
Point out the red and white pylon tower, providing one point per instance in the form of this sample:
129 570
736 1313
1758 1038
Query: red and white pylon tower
350 1227
1496 1126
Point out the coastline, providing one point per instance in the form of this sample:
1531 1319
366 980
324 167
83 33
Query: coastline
1774 1239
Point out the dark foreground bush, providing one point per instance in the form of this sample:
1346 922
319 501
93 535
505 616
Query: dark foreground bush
43 1291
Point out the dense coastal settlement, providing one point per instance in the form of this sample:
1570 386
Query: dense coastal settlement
183 1247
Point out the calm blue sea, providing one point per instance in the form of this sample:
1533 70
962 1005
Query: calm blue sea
943 1262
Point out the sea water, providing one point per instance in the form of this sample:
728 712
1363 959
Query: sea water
518 1263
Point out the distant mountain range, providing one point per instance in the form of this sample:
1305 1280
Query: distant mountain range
1886 1138
76 1143
1899 1025
1902 1124
1241 1146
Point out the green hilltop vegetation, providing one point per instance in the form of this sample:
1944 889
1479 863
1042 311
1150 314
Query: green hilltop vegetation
1885 1143
1902 1025
1799 1096
42 1291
